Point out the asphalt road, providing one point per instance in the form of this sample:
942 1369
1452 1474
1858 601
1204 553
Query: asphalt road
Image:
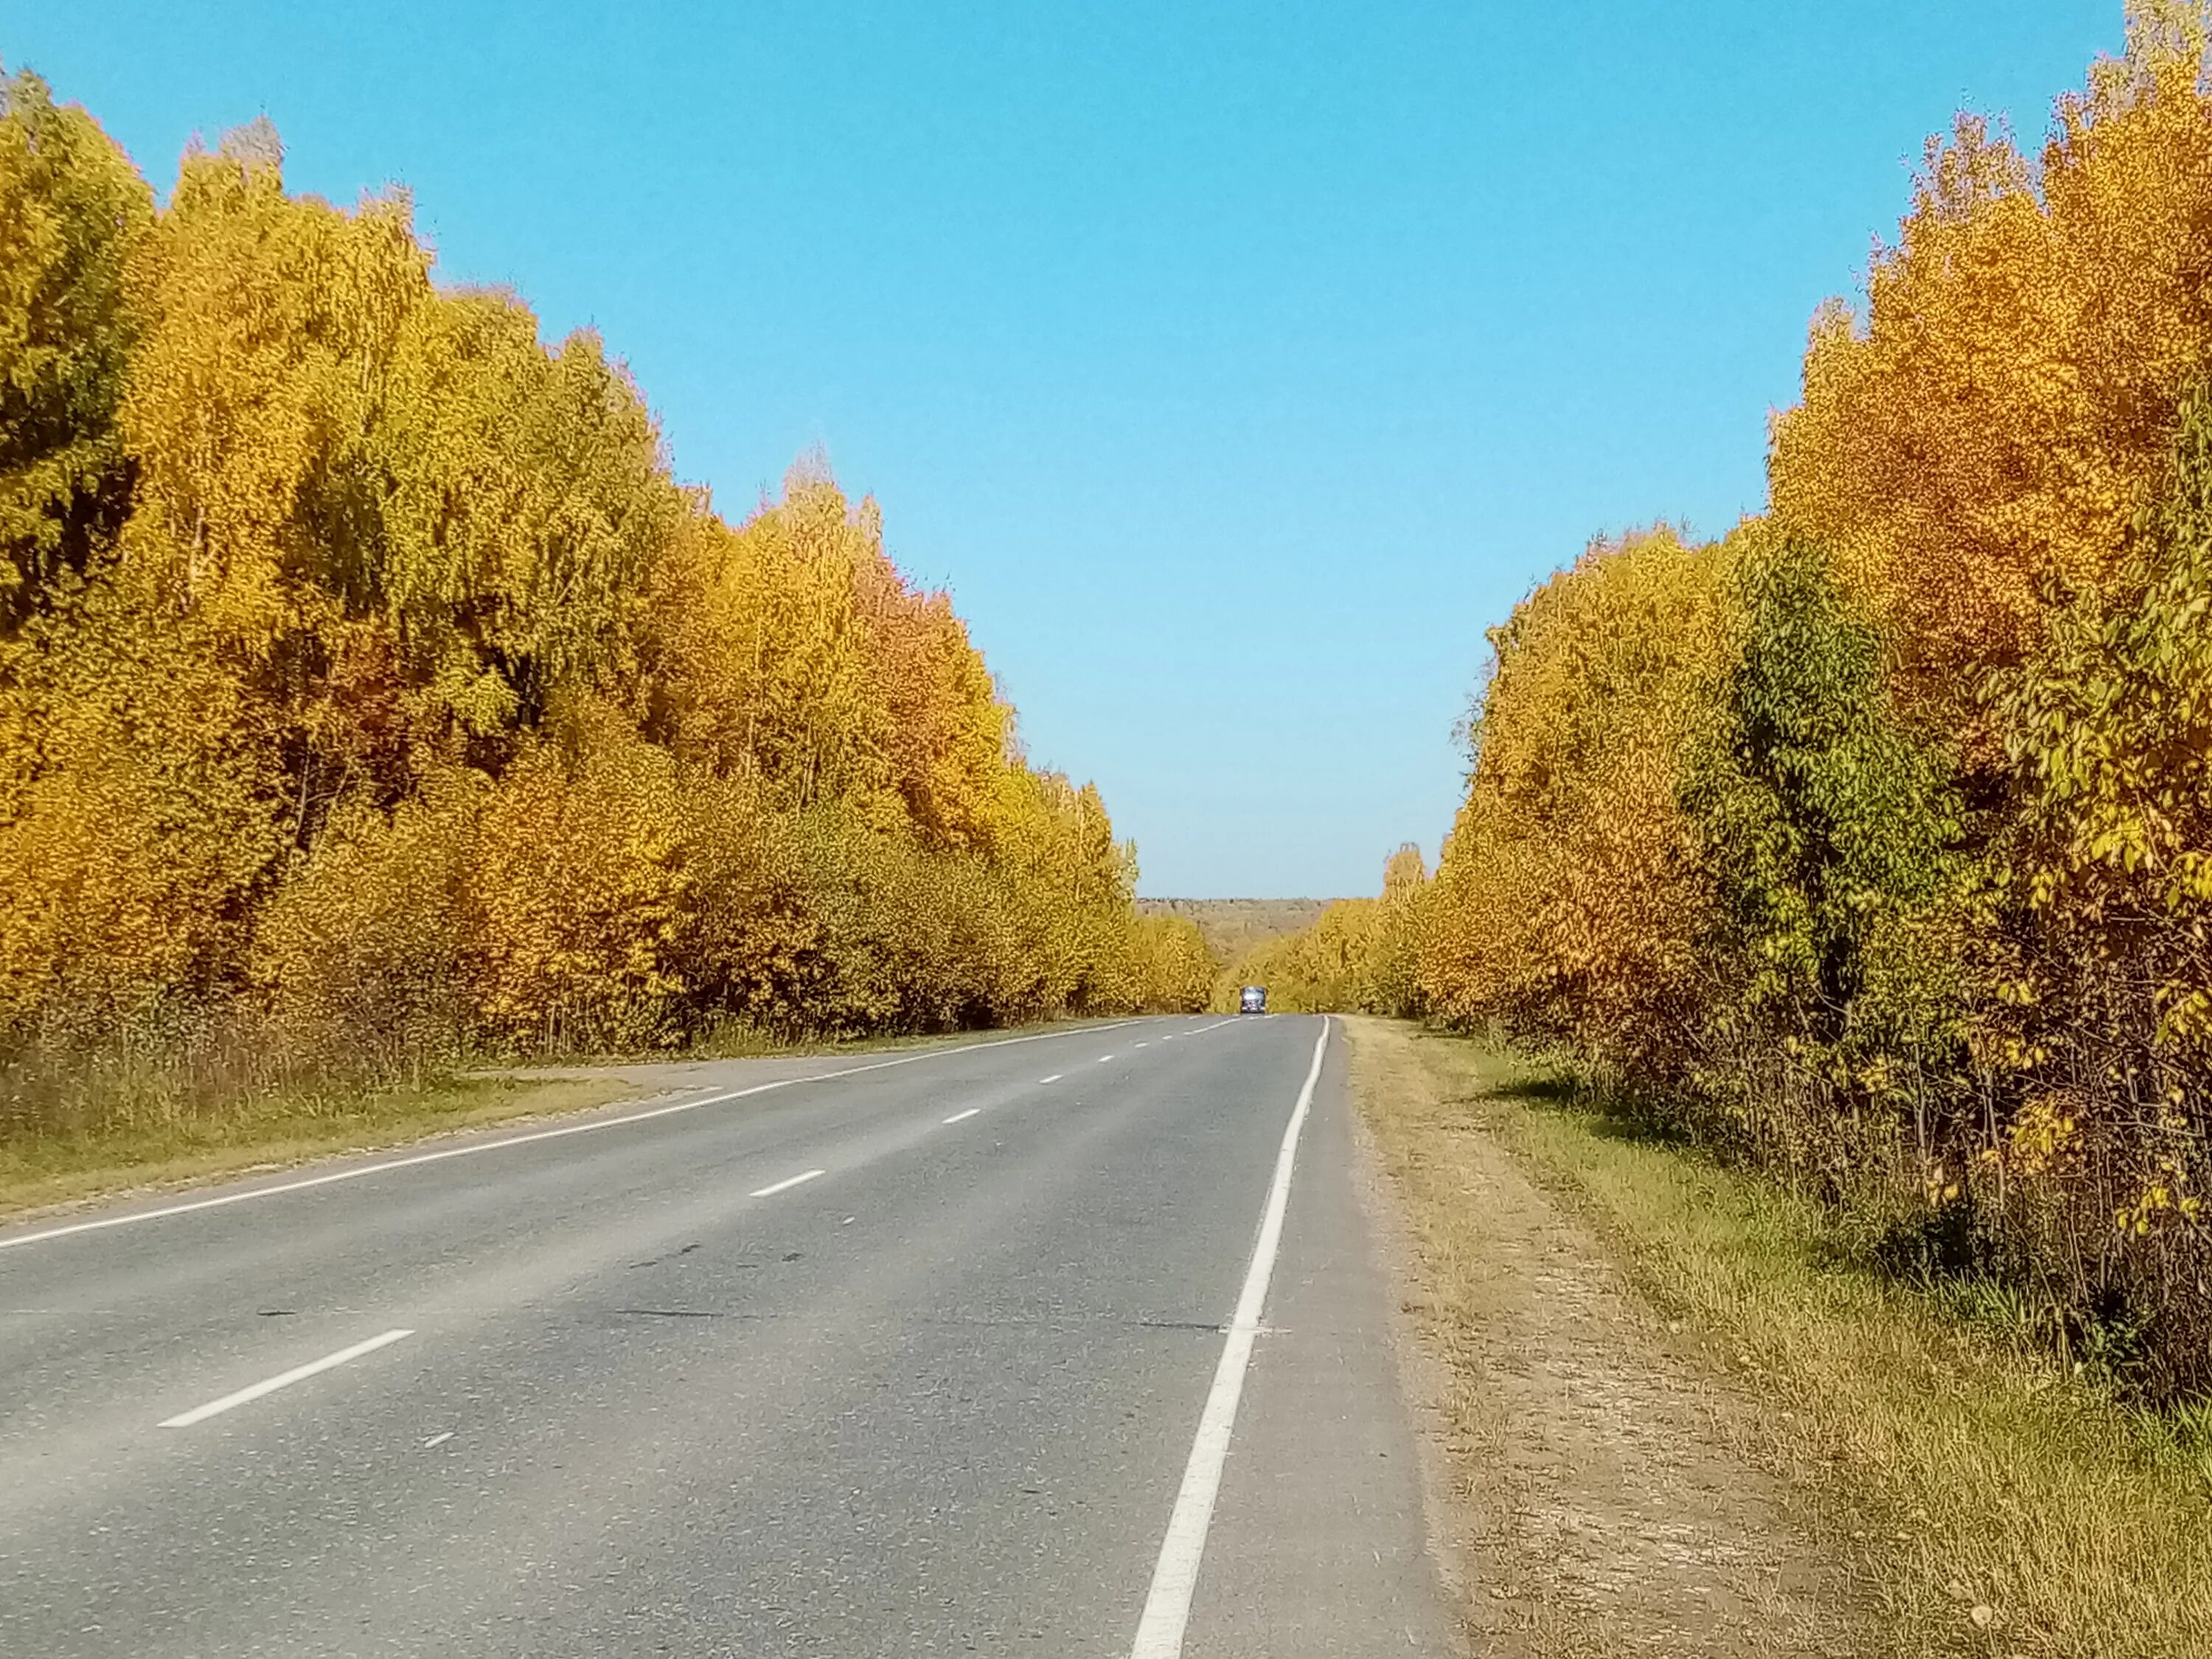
663 1390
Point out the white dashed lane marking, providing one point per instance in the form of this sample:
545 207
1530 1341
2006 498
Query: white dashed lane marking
283 1380
786 1184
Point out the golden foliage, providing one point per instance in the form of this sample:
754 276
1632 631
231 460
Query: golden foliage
1994 422
792 648
362 669
1178 969
72 215
1360 955
1874 842
132 827
1567 902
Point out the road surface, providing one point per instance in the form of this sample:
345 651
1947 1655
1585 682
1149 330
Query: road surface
910 1354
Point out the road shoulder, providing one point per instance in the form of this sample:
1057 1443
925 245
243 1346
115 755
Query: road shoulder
1592 1477
1320 1543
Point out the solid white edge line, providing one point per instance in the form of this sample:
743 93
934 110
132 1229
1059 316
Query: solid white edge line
962 1117
785 1185
297 1374
593 1126
1175 1576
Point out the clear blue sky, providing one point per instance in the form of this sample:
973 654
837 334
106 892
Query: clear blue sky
1235 365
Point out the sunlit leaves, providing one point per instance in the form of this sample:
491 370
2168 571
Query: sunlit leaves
1876 841
72 212
523 504
2110 729
1996 419
367 672
1824 825
1568 900
1360 955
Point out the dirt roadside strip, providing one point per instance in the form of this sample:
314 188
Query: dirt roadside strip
1588 1480
1663 1420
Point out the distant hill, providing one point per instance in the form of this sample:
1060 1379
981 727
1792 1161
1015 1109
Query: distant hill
1232 926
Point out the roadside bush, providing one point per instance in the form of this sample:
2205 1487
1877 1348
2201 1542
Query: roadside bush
362 955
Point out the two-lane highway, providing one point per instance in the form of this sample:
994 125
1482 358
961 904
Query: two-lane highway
1068 1343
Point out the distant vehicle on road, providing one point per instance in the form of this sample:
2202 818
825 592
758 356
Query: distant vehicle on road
1254 1000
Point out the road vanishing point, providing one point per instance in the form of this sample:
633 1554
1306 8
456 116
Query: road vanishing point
1068 1343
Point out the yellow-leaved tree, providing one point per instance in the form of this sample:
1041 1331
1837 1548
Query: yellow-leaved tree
1568 902
1993 423
370 692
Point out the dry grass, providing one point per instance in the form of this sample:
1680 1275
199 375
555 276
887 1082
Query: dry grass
48 1166
130 1126
1992 1505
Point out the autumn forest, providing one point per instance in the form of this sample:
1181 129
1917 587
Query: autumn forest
371 695
1871 843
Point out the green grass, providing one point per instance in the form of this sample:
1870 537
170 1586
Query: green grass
1996 1504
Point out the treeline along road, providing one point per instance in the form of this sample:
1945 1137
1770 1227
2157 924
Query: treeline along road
371 693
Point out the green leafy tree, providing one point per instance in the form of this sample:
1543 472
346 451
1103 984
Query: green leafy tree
1824 822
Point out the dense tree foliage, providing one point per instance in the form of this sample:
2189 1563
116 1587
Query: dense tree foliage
1993 420
1358 954
1824 833
368 683
72 215
1874 842
1568 903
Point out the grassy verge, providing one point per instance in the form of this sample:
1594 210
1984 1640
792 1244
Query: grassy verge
165 1142
1996 1506
266 1129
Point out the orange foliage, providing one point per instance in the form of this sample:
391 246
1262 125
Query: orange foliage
1567 902
361 668
1996 420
